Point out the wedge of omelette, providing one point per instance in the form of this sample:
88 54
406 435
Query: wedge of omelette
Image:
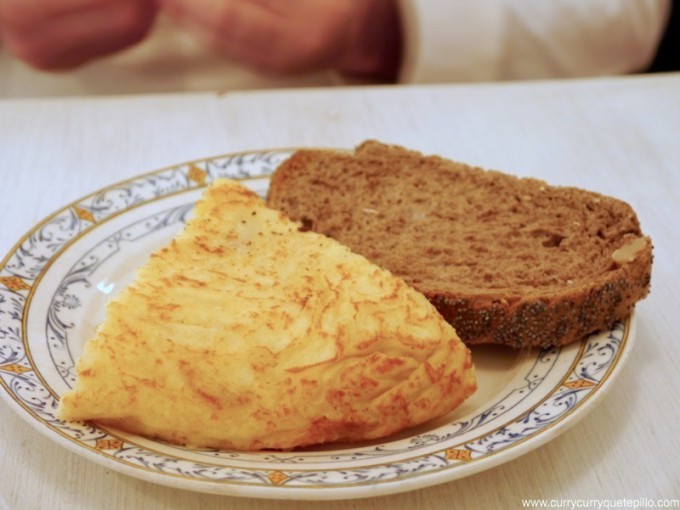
246 333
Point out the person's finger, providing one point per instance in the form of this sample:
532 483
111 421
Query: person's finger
244 31
236 21
75 37
28 13
258 35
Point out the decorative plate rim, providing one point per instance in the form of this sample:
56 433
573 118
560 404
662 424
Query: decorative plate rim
18 285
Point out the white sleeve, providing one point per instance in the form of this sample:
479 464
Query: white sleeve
485 40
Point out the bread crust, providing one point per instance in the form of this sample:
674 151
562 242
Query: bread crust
518 315
545 321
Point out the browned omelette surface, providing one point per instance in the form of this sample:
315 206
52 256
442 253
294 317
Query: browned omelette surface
246 333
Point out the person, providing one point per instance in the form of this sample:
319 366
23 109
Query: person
68 47
668 51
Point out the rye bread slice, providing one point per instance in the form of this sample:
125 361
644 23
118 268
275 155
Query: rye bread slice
505 260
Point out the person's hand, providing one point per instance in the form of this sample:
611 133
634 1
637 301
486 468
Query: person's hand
62 34
356 37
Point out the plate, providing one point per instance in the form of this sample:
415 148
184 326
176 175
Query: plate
54 285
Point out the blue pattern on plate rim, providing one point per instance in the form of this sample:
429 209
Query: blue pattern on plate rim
65 300
20 378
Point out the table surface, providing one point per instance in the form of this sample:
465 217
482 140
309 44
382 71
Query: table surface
618 136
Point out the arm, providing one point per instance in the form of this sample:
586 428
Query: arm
450 40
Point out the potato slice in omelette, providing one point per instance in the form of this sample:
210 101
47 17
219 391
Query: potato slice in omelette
246 333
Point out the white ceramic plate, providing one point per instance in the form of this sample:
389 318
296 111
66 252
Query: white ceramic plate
55 283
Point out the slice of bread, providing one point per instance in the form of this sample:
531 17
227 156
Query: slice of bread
505 260
246 333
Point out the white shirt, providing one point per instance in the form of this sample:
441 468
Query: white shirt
489 40
445 41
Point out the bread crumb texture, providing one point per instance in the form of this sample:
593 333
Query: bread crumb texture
246 333
506 260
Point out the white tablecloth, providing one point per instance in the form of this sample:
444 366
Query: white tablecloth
617 136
